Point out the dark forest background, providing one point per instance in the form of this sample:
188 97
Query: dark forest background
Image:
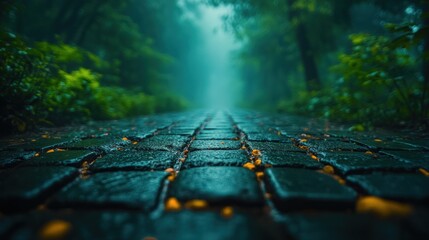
65 61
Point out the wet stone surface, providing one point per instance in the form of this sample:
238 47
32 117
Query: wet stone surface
25 187
215 158
338 226
215 145
274 146
291 159
99 143
330 145
35 143
136 190
218 185
215 135
214 175
62 158
381 144
135 160
358 162
295 189
417 158
403 187
12 158
163 143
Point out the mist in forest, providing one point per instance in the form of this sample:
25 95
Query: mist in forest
212 60
70 61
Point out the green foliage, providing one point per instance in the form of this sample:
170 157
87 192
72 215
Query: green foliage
379 83
48 84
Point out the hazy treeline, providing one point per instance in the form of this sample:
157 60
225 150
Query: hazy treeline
363 60
73 60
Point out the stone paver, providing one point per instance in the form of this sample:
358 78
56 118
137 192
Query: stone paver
215 145
411 187
217 185
62 158
337 226
163 143
98 143
215 158
136 190
291 159
197 175
331 145
25 187
358 162
12 158
135 160
417 158
274 146
295 189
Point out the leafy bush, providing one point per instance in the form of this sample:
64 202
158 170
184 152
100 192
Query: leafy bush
379 83
56 84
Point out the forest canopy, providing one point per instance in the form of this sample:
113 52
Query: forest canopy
363 61
67 61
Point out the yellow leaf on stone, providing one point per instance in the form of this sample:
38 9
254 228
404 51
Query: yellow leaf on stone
50 151
125 139
424 172
328 169
227 212
256 152
249 166
382 207
150 238
55 229
172 204
260 175
258 162
196 204
314 157
378 140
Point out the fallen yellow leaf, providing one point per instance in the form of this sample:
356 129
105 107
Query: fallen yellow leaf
172 204
171 178
227 212
196 204
314 157
382 207
150 238
55 229
328 169
260 175
256 152
249 166
50 151
424 172
258 162
378 140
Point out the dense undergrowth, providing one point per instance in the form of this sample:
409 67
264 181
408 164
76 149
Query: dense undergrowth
47 84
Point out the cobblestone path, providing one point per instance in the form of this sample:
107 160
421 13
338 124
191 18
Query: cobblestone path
214 175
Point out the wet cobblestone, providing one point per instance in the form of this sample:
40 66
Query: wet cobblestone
214 175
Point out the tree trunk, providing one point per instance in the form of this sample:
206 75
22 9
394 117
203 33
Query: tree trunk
306 52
